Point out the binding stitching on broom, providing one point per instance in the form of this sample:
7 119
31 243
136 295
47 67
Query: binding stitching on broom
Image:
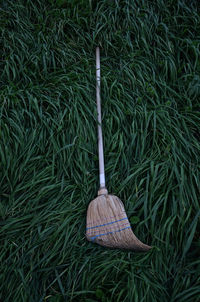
108 229
93 238
100 225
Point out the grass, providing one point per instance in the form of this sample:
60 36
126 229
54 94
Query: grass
48 148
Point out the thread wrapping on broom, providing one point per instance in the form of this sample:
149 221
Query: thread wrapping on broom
93 238
98 226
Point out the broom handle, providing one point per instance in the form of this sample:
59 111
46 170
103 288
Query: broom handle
100 136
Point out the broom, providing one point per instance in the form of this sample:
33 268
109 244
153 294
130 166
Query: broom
107 223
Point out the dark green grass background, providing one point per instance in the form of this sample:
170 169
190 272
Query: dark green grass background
150 55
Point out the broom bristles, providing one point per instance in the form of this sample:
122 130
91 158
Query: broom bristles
108 224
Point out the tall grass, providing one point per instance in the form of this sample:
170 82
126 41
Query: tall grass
48 148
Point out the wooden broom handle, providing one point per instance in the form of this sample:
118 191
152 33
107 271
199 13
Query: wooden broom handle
100 136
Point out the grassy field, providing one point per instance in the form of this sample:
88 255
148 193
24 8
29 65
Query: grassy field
150 54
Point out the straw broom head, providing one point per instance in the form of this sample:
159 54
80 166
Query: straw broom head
108 224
